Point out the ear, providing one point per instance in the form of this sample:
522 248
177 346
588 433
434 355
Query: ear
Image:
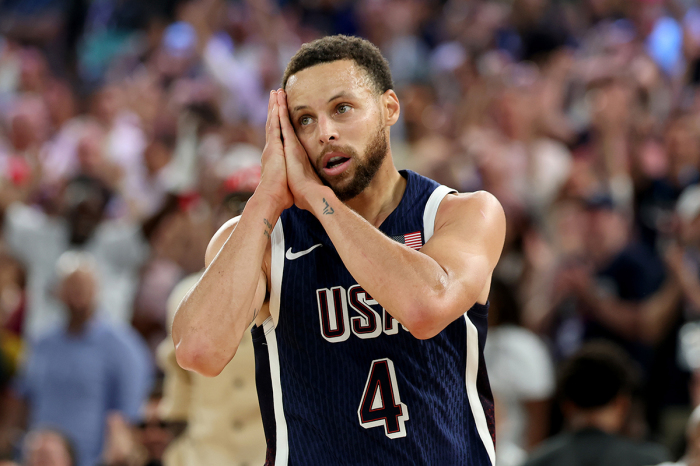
391 107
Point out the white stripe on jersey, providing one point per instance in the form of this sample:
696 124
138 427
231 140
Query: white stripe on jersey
276 272
429 215
472 392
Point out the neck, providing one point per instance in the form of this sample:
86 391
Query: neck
77 325
382 195
608 419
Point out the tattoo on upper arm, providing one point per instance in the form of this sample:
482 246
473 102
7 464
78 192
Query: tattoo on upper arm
327 210
268 230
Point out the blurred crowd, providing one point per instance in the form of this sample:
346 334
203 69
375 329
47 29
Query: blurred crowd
131 130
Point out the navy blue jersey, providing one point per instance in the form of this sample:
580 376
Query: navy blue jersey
342 382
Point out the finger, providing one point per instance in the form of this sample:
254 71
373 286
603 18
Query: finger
270 102
287 129
275 124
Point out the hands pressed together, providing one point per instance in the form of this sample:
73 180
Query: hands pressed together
287 175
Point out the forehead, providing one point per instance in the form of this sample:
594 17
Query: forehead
317 84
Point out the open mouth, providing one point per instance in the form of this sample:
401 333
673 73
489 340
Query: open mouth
336 161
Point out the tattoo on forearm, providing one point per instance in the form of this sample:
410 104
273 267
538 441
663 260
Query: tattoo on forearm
268 230
327 210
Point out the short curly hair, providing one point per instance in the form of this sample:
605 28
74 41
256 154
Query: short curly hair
340 47
596 374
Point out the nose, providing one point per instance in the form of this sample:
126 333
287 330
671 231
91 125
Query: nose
327 130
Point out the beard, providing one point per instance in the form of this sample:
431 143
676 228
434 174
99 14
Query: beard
365 168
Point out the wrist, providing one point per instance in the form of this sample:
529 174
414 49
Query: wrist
267 202
321 199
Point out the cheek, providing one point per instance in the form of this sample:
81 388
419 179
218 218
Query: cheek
309 142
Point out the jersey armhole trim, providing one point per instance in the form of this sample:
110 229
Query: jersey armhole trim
276 271
268 326
431 208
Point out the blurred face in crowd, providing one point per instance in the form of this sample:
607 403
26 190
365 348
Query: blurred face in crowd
156 156
342 123
60 102
607 233
84 209
89 151
45 448
28 126
33 70
152 433
78 291
683 143
106 104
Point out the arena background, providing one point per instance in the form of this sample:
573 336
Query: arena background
581 117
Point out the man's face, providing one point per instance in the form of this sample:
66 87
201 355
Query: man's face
339 120
78 292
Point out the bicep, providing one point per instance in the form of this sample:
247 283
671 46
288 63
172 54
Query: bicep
219 239
217 242
469 237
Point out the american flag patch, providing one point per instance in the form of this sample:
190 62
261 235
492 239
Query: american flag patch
412 240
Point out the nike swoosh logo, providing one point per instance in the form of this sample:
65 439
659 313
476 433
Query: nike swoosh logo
296 255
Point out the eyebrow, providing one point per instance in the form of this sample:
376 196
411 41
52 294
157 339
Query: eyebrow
338 95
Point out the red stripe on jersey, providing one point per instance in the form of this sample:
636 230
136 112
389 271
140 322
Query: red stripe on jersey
413 240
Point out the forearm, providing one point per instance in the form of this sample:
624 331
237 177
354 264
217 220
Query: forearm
659 312
620 316
212 317
690 287
410 285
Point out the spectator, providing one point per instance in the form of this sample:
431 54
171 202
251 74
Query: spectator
38 240
621 284
141 446
221 414
521 374
595 388
153 433
540 102
74 375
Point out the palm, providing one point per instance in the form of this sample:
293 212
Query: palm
274 170
300 174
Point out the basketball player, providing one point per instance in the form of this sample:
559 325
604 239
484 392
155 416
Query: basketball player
368 286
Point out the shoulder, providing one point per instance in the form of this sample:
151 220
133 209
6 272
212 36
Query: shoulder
46 341
479 204
650 453
120 337
217 241
22 217
471 201
550 451
478 213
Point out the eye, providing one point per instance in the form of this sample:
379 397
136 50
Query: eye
305 120
343 108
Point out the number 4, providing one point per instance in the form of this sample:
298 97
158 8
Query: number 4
381 404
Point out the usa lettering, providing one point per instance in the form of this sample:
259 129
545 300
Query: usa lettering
334 316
